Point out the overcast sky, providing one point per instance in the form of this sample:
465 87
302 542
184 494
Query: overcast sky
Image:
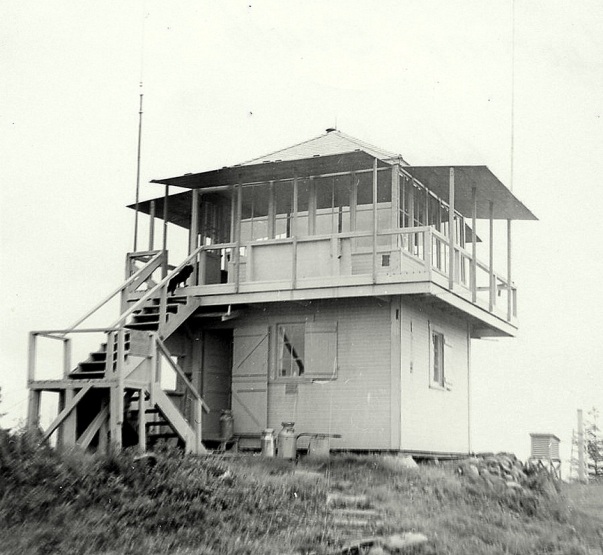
228 81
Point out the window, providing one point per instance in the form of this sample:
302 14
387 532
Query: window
290 350
438 377
306 350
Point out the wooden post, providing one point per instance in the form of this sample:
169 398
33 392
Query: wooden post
395 215
311 206
237 257
103 432
67 430
353 202
491 260
165 229
194 233
294 235
509 288
375 220
198 426
152 226
271 211
474 245
451 232
115 419
142 420
33 410
66 357
31 357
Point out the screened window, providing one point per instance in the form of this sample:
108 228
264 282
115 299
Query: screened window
290 350
438 368
306 350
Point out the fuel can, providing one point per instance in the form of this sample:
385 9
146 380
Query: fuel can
287 441
267 442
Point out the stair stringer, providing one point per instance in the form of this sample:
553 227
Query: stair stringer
176 320
175 420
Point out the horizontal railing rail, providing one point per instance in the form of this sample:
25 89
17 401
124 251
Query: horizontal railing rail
115 292
425 245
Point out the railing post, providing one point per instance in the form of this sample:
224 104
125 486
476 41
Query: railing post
294 263
202 265
66 357
31 357
427 242
451 231
237 257
163 306
474 245
110 349
509 287
492 280
375 177
152 226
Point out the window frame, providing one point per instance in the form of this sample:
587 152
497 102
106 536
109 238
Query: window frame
442 383
309 374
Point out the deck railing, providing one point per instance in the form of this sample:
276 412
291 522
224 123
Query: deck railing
410 253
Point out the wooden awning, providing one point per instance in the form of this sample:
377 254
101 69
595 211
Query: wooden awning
268 171
506 206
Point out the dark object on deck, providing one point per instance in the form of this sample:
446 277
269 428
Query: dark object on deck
179 279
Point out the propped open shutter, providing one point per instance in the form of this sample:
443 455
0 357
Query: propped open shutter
249 380
321 350
448 364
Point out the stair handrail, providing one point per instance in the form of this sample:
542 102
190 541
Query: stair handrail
118 290
176 367
151 292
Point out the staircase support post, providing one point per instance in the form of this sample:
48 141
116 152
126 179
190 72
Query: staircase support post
142 421
67 430
115 419
198 426
33 410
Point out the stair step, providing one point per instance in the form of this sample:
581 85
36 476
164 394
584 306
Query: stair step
175 299
152 424
92 366
77 375
154 309
98 356
144 326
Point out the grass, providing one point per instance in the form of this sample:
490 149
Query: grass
78 503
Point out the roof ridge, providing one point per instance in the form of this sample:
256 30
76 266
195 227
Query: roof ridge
364 144
281 149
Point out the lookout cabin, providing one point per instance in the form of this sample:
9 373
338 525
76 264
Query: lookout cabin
330 284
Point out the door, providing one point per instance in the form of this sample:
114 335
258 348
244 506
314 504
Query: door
217 361
250 380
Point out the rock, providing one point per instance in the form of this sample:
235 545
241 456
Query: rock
398 462
377 550
399 542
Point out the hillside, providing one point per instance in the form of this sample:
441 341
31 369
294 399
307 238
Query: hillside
185 505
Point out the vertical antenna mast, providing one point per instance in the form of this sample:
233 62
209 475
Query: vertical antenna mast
138 171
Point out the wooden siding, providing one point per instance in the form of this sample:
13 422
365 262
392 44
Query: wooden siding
433 419
357 404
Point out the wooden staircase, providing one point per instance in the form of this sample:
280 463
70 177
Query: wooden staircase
114 398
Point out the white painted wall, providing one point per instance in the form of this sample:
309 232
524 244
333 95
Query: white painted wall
357 403
433 419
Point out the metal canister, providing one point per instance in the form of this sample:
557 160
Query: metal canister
287 441
226 425
267 442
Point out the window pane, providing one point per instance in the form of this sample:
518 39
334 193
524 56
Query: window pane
438 358
290 350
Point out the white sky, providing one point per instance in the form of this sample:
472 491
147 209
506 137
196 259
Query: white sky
227 81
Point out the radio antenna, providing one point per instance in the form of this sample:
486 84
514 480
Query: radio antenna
138 171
